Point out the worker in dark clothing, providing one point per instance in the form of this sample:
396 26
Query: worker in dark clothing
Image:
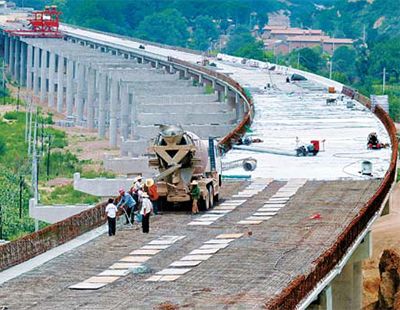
145 211
373 142
111 212
195 193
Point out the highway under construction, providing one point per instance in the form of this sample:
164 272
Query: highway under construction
292 234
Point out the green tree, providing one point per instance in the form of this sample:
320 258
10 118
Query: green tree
310 58
243 44
204 32
386 54
344 62
168 27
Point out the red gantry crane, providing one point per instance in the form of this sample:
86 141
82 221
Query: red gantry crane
44 24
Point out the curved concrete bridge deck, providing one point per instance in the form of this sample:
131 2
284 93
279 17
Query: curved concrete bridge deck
243 275
272 238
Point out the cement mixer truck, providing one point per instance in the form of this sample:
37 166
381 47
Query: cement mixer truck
180 157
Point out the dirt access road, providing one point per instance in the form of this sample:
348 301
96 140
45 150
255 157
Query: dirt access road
385 234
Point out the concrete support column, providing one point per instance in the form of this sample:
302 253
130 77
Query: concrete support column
36 60
23 66
113 112
60 83
239 107
91 97
324 301
102 104
70 88
226 90
17 60
342 288
12 56
52 71
29 59
124 111
134 109
357 285
213 84
43 76
6 49
200 79
80 78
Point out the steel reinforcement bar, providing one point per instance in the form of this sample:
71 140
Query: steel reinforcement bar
300 287
29 246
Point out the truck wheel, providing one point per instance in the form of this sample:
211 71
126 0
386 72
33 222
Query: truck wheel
204 203
211 196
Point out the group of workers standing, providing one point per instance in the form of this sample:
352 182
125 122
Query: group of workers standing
141 200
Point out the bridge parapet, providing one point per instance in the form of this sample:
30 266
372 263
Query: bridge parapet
303 285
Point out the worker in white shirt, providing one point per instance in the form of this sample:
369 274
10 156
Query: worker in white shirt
111 211
145 211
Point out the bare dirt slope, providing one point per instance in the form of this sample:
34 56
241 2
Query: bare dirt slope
385 234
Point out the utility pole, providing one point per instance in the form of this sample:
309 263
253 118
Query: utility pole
298 60
42 136
48 157
4 82
1 222
330 68
35 169
30 128
34 162
383 81
19 88
27 109
21 186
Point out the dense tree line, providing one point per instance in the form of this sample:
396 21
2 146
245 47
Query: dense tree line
187 23
197 24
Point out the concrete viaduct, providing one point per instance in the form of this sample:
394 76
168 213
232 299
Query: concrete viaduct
109 88
122 93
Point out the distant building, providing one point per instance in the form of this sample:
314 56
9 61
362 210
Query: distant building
327 43
280 33
283 40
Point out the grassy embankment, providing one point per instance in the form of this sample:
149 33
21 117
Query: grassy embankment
15 171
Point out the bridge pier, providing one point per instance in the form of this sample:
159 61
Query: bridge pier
345 290
36 59
60 83
91 94
17 64
70 88
50 75
29 61
6 49
119 93
43 75
23 65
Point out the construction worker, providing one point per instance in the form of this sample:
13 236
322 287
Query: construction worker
137 182
151 189
195 193
145 211
136 188
128 203
111 211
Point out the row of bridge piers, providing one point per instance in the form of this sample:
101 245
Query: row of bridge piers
120 94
